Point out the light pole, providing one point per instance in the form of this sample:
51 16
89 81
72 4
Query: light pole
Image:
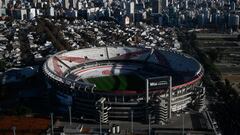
183 125
70 114
149 124
52 132
132 121
14 130
170 98
100 123
147 90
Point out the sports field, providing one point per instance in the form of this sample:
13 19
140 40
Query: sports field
120 82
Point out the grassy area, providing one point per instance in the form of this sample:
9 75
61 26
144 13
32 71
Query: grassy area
120 82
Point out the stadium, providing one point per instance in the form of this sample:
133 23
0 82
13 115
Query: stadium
111 82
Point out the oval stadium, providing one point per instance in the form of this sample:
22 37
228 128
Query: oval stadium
111 82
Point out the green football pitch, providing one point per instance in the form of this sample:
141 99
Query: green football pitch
120 82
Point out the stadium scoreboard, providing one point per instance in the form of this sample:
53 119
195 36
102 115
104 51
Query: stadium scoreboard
157 83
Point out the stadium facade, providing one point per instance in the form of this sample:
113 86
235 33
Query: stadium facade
70 73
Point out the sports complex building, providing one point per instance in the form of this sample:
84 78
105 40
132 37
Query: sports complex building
114 82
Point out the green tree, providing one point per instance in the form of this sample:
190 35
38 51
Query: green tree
2 65
21 110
